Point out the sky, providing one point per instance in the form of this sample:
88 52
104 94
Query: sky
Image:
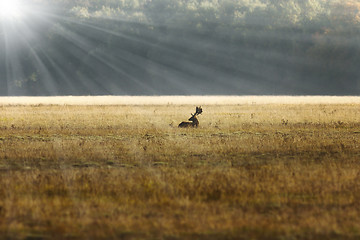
185 47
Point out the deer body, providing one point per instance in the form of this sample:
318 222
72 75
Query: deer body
194 122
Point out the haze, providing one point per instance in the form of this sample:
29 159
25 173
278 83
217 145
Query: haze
177 100
186 47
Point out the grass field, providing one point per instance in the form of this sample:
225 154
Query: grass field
252 170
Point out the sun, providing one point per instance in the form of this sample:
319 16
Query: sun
10 9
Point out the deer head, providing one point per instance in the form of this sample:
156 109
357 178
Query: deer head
197 112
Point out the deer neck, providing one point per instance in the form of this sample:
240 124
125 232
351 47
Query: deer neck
195 121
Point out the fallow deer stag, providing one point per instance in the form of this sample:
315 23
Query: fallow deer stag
194 121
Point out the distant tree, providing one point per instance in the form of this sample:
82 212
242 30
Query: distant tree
160 46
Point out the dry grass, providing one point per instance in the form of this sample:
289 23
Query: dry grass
249 171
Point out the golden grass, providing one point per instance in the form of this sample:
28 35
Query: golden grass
250 171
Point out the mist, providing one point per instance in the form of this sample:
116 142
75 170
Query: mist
186 47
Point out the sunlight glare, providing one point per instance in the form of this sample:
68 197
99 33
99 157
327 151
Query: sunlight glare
10 9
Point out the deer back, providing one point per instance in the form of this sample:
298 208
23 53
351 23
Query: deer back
185 124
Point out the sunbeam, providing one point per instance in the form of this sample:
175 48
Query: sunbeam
184 47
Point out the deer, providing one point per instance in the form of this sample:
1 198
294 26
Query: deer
194 122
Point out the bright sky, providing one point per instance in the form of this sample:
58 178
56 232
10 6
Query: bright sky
10 9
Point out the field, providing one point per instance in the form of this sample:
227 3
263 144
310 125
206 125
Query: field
254 169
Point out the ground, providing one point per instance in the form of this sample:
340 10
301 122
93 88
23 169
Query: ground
250 171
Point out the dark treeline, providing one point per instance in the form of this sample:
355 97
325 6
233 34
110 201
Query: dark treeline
151 47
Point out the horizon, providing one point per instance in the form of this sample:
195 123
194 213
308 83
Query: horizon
177 100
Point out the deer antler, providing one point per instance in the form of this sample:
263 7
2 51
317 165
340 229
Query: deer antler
198 110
